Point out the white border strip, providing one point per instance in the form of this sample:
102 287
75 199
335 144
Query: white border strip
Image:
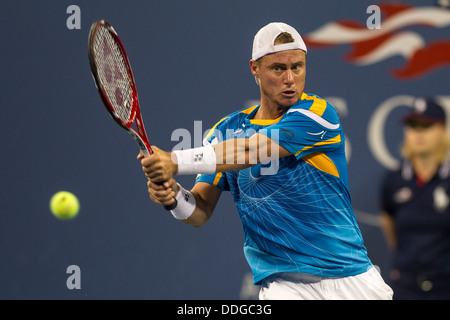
318 119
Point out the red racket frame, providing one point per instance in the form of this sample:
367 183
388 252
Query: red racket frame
139 134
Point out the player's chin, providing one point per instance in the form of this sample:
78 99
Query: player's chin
288 100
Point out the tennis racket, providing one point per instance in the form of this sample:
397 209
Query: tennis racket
115 83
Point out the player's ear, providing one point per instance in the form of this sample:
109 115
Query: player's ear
254 68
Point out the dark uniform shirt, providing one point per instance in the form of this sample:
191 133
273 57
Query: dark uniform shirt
421 211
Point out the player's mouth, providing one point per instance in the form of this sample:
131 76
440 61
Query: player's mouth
289 94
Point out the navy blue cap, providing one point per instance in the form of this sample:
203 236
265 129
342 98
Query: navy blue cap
427 111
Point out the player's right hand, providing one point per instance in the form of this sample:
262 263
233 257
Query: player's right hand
158 166
163 193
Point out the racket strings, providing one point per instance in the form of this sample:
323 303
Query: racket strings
113 74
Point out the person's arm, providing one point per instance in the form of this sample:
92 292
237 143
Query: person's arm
199 209
237 154
229 155
388 228
206 197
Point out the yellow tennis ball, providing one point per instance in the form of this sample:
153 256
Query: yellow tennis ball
64 205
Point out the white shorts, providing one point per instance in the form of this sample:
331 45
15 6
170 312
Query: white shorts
301 286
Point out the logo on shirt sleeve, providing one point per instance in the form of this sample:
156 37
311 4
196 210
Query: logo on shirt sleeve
321 134
288 134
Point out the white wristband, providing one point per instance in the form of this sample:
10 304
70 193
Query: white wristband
198 160
186 204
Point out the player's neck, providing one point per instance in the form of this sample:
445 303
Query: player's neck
266 112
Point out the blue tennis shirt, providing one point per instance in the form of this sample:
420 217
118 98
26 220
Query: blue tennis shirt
296 212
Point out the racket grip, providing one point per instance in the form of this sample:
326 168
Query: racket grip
171 206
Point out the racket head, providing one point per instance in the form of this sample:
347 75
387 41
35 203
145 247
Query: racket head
115 83
114 79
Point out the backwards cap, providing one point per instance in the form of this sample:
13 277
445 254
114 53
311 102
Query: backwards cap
263 43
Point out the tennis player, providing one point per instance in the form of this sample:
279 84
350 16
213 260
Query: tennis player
284 163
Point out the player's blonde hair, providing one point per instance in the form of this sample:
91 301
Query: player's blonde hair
284 37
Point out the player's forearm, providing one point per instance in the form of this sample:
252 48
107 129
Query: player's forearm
235 154
229 155
195 207
201 214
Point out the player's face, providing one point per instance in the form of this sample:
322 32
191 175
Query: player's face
425 139
281 77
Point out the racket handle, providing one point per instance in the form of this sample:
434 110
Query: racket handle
171 206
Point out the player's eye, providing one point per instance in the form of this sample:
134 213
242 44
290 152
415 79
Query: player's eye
297 67
278 69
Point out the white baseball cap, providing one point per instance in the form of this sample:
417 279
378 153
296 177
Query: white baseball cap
263 43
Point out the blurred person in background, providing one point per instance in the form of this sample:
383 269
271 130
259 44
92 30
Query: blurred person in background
415 200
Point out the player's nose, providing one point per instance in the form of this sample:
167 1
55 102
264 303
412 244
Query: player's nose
289 78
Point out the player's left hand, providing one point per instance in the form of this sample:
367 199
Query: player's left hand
158 167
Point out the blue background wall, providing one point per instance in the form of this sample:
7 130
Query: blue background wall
190 60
